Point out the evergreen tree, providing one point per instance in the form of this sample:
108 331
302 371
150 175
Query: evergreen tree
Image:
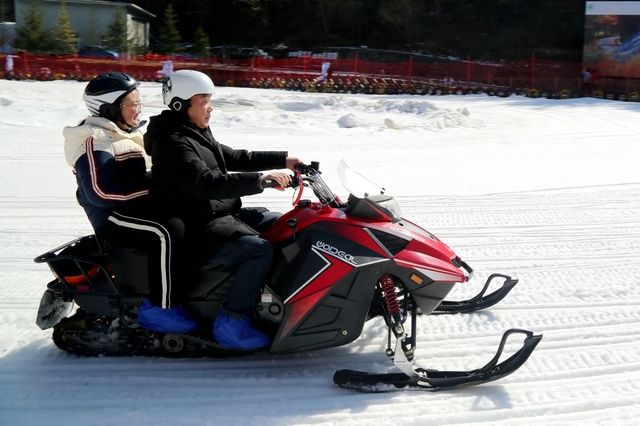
64 37
3 13
31 36
201 43
169 36
116 37
403 18
488 29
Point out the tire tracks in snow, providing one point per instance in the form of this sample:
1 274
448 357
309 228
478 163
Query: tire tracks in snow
574 251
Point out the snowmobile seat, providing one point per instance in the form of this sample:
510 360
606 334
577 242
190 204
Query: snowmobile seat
129 268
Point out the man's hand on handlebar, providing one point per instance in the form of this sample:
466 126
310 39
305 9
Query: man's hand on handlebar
292 162
275 180
281 180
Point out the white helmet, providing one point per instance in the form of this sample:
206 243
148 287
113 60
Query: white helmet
181 85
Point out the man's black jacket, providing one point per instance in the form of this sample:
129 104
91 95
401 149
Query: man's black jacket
191 178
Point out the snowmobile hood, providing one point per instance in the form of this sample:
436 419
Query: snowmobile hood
104 132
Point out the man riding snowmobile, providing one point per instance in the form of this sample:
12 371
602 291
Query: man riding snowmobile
192 180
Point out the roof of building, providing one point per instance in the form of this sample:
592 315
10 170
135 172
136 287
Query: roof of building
130 6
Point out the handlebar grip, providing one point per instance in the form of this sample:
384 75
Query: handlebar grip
268 183
314 167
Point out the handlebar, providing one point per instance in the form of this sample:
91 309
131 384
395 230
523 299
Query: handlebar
301 169
310 174
268 183
307 169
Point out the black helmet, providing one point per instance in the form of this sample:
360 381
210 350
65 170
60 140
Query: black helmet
104 93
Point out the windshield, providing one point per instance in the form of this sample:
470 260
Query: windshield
364 194
357 184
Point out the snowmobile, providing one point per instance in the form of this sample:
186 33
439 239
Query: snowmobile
336 265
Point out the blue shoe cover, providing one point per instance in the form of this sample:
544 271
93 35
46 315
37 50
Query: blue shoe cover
235 331
172 320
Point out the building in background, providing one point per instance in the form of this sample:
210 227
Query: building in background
91 19
7 35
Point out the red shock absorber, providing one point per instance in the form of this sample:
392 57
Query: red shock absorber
389 293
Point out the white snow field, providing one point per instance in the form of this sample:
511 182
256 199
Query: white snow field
546 190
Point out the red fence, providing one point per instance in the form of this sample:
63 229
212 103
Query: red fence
413 75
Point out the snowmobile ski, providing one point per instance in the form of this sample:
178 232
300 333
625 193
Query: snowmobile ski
435 380
479 301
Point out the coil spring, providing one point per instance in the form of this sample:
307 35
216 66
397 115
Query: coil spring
389 293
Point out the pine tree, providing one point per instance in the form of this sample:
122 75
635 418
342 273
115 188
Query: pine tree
403 17
169 35
201 43
116 37
64 37
3 32
31 36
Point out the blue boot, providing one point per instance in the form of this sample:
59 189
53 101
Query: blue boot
172 320
235 331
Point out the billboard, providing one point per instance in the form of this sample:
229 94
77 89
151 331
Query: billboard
612 38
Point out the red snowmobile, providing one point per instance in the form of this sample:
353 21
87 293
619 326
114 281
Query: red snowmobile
336 265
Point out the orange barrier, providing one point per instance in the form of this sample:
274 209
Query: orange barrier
416 75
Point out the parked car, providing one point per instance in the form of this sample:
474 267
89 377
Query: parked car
97 52
239 52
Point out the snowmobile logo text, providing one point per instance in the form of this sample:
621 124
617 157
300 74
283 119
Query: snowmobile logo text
327 248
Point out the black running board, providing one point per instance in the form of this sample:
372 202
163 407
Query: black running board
479 301
434 380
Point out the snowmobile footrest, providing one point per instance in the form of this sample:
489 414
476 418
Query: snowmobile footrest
479 301
434 380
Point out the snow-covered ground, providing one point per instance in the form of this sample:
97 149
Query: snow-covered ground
548 191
